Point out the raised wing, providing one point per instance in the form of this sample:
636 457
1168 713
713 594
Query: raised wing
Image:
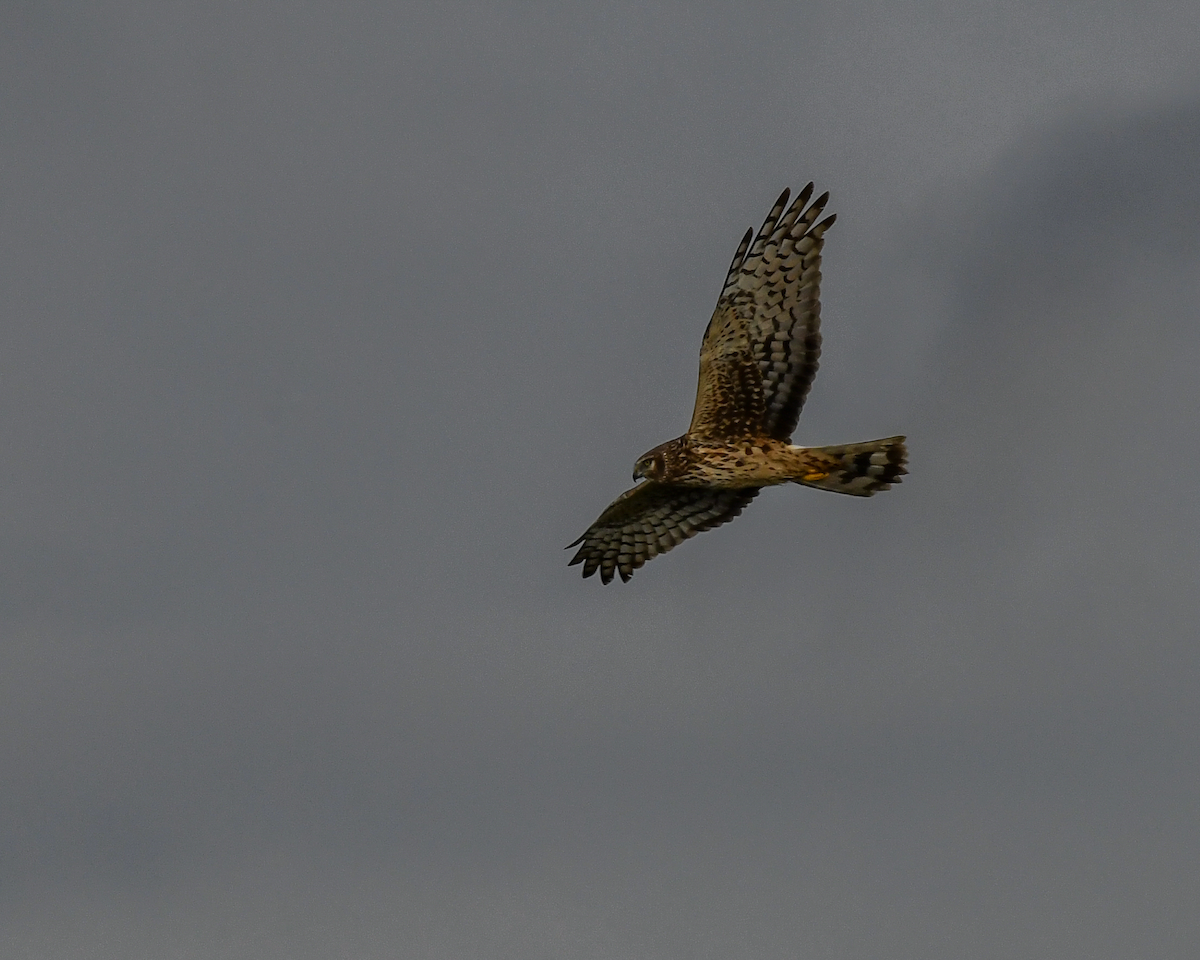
650 519
760 351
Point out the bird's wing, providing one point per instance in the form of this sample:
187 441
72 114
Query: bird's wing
650 519
759 355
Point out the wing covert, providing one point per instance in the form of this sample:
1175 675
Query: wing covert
650 519
729 393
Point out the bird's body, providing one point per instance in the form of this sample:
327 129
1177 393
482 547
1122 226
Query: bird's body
763 462
757 363
755 462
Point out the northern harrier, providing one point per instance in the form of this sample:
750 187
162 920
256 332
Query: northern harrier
757 362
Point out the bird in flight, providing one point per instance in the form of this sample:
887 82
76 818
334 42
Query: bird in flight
758 360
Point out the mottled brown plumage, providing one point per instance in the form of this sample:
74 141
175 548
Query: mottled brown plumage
758 360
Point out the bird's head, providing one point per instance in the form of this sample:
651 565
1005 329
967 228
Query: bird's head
650 466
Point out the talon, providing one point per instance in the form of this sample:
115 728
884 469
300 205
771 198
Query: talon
816 475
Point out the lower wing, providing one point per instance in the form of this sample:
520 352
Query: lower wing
651 519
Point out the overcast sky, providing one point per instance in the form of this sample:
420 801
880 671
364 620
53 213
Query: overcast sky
326 326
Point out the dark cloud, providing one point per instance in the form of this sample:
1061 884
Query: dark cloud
327 329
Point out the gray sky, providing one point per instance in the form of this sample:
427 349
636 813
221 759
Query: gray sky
327 326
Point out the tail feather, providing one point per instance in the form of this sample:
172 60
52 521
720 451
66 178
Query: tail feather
859 469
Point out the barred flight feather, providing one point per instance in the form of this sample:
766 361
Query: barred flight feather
672 513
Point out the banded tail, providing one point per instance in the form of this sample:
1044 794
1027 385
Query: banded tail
859 469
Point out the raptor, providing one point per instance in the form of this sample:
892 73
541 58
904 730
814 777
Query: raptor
758 360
